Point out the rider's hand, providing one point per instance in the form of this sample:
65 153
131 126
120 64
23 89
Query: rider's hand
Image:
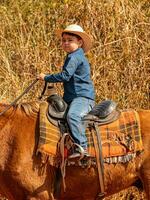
41 76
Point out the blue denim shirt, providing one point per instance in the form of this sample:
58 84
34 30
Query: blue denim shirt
75 77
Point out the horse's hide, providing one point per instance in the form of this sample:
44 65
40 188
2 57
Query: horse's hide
119 138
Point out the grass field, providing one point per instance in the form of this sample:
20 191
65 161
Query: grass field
120 57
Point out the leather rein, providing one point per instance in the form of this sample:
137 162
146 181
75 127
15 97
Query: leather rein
19 97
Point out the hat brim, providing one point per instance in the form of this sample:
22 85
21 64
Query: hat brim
87 39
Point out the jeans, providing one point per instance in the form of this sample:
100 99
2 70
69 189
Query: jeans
78 108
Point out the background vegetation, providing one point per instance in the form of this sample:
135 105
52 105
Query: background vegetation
120 57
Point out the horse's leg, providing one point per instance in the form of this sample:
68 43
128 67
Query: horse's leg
41 196
8 195
6 192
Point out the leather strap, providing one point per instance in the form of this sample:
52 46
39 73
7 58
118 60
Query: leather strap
63 161
43 92
99 158
19 97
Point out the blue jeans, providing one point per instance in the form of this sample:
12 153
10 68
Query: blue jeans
78 108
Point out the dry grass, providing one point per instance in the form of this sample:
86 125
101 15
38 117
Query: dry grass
120 57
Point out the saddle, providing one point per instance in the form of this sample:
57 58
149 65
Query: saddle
103 113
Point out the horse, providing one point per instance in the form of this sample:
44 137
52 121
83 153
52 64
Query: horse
23 177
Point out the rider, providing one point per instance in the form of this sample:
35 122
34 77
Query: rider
79 91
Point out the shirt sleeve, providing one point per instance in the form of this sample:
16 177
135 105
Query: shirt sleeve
68 71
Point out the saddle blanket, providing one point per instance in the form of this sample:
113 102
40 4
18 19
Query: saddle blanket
119 138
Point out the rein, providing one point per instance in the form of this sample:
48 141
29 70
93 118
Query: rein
19 97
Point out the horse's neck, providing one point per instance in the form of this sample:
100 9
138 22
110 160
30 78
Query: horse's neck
4 116
6 106
3 106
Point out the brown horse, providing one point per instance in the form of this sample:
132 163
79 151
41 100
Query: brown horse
23 178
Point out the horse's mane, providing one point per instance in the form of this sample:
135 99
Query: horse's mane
29 108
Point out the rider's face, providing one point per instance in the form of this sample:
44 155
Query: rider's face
70 43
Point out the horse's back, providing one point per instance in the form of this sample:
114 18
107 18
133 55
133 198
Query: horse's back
145 166
145 121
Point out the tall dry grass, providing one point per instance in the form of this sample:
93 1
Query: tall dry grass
120 57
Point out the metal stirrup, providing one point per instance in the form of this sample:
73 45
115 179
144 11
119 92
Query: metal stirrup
81 151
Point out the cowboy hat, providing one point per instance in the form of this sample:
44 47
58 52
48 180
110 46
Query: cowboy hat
77 30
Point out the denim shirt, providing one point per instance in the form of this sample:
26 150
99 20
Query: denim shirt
75 77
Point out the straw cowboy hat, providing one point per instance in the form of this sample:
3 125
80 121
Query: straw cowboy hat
77 30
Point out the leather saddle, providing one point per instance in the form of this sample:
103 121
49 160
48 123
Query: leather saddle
102 113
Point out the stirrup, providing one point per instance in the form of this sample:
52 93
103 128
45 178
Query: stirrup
81 151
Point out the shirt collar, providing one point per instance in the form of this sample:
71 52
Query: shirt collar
79 50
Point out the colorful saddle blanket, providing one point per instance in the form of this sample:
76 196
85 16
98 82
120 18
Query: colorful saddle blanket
119 138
